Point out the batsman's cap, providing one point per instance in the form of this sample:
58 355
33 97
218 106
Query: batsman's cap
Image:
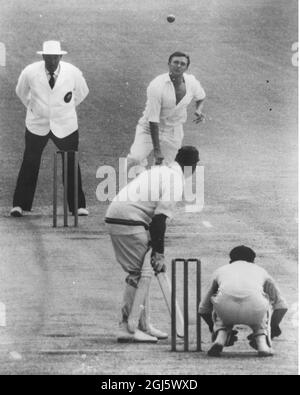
242 253
187 156
51 48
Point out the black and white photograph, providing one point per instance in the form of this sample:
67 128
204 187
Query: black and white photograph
149 190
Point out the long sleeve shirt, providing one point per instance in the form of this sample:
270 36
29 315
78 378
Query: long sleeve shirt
51 109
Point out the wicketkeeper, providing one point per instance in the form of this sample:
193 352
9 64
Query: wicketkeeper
243 293
135 218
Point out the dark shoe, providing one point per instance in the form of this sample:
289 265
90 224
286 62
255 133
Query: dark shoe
217 347
215 350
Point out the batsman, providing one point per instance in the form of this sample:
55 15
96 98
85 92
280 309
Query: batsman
136 222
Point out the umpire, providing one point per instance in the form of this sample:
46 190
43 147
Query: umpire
50 90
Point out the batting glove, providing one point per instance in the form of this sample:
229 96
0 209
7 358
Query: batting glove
158 262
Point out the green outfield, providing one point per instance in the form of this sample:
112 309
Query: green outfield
62 288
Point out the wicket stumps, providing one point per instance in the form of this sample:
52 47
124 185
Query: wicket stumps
186 263
65 155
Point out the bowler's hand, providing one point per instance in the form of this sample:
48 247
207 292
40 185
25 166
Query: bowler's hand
200 117
158 262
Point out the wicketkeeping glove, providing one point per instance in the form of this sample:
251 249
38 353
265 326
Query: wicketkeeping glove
231 337
158 262
252 341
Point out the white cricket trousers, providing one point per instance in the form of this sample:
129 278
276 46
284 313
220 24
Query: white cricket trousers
170 142
252 310
130 252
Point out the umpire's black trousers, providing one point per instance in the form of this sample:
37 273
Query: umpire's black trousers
28 175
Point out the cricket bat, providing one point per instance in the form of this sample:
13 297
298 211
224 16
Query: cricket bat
165 286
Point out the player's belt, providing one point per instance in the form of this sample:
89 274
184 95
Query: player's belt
128 222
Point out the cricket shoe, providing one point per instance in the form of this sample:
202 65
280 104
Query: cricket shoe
16 212
217 347
266 353
215 350
262 346
160 335
143 337
124 336
83 212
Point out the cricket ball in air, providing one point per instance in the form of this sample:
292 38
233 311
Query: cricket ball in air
170 18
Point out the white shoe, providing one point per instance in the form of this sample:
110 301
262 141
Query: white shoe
160 335
124 336
143 337
16 212
83 212
262 347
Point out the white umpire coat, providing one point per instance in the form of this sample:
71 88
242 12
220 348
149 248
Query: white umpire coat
51 109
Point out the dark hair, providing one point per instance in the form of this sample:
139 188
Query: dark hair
242 253
180 54
187 156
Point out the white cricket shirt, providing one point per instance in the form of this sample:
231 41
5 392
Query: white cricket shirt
161 104
154 191
241 279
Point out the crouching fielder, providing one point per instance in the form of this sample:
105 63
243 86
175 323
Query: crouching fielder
136 216
243 293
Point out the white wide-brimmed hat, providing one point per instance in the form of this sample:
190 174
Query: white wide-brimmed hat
51 48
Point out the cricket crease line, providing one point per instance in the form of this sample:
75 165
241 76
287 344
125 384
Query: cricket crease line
96 351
